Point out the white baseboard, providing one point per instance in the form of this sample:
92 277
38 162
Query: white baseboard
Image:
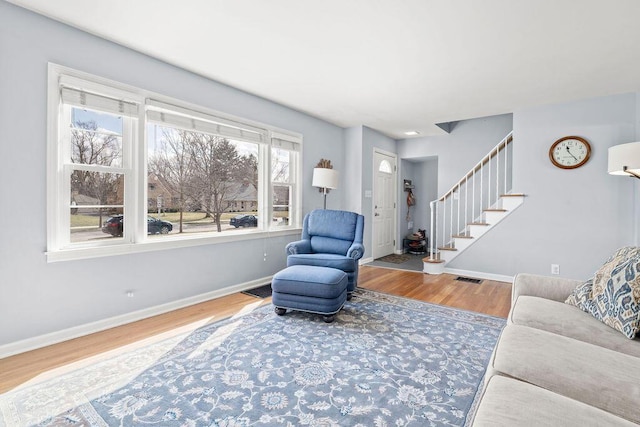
365 260
100 325
479 275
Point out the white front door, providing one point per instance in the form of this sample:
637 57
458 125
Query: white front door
384 203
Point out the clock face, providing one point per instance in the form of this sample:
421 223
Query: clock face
570 152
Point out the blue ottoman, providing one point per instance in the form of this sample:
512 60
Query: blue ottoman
321 290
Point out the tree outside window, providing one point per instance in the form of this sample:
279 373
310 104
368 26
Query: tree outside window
210 176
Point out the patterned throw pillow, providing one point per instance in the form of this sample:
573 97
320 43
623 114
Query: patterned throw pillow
613 294
580 295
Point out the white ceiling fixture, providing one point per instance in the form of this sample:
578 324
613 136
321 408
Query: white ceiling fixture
390 65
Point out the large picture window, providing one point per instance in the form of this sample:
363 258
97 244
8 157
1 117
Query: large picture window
130 171
202 182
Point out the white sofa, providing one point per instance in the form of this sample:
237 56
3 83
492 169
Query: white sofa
555 365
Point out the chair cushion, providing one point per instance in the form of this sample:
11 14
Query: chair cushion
335 224
310 281
341 262
330 245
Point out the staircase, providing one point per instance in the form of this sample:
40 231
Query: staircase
472 207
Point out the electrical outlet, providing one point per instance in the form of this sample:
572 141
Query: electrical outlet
555 268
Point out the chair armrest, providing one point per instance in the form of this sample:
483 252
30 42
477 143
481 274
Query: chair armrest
298 247
356 251
553 288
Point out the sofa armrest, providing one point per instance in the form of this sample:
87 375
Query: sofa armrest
356 251
298 247
553 288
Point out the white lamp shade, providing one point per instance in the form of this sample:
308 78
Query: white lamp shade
624 155
325 178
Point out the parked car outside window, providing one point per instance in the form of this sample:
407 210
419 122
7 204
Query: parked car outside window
244 221
114 226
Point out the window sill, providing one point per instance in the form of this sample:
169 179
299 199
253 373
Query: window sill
169 243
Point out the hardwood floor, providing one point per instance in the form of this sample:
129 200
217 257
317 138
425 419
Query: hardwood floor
489 297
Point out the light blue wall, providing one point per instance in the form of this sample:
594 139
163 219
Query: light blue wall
360 141
574 218
37 298
424 176
352 171
427 177
459 151
406 170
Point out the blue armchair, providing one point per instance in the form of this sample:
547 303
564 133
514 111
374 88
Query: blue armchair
330 239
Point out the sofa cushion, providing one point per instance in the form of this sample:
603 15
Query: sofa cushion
590 374
613 295
569 321
508 402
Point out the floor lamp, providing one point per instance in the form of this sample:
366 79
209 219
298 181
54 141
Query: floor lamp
326 179
624 159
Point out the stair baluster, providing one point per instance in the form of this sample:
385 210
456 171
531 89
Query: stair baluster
477 193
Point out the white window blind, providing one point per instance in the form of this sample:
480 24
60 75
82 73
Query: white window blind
183 118
93 101
285 144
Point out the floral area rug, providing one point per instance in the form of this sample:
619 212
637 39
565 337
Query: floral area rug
384 361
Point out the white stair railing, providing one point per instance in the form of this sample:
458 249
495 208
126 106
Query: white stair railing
478 190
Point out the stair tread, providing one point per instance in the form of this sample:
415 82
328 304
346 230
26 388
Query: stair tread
495 210
447 248
433 261
462 236
513 195
478 223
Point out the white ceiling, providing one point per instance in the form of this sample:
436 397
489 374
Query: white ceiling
392 65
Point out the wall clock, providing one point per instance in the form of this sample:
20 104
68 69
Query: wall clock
570 152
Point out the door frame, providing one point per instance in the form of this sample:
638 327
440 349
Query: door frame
394 198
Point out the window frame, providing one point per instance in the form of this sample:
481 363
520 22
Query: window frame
134 169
